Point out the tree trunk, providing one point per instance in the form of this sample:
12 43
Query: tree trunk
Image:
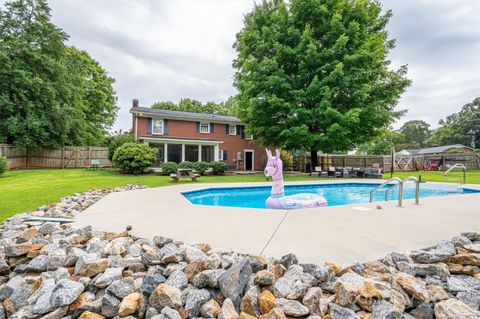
313 160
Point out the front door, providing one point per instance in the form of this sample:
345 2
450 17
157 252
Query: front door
248 160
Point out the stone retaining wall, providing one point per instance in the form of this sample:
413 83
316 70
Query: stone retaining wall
54 271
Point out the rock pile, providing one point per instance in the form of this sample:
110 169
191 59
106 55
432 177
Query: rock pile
54 271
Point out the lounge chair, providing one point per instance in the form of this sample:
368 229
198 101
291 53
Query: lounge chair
332 172
372 172
318 172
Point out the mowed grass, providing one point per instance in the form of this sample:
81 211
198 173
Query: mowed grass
25 190
473 177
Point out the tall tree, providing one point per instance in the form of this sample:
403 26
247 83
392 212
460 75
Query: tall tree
382 143
416 134
462 127
227 107
47 96
314 74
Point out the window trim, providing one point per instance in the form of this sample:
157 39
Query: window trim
248 136
200 128
162 132
230 129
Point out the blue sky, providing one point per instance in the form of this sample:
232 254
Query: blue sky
167 50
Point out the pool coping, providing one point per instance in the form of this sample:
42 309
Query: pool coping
343 234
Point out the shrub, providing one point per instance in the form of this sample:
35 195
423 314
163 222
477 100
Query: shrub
201 167
186 164
3 164
134 158
118 140
169 168
218 167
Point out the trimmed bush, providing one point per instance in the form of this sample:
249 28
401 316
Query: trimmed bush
134 158
201 167
218 167
118 140
186 164
169 168
3 164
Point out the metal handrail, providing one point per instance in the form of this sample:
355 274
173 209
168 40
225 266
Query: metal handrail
388 191
417 187
393 179
459 165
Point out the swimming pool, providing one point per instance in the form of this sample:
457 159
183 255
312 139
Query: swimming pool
336 193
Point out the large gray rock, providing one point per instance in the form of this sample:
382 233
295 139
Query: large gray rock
430 257
312 300
165 296
122 288
294 283
152 279
37 264
382 309
292 307
13 284
289 260
56 259
49 228
168 313
194 300
423 311
320 272
459 283
106 278
470 298
177 279
232 282
4 268
207 278
19 296
65 292
110 305
40 300
339 312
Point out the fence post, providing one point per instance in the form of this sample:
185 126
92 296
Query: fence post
63 157
28 158
89 159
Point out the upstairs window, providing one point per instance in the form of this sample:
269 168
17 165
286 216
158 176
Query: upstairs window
205 128
157 126
232 129
248 136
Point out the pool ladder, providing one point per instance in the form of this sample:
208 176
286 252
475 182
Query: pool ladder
399 183
461 166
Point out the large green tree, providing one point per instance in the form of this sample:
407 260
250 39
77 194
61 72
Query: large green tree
228 107
50 94
416 134
314 74
462 127
382 143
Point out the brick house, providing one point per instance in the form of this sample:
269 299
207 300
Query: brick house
182 136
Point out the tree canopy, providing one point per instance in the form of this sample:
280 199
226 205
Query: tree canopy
460 128
382 143
228 107
415 134
314 75
50 94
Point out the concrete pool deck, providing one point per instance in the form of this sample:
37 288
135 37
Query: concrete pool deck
341 234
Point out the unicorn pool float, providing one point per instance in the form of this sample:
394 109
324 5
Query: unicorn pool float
277 199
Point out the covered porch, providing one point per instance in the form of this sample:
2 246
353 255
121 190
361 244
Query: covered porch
181 149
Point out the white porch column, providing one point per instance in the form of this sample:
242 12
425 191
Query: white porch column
165 153
199 152
183 152
216 149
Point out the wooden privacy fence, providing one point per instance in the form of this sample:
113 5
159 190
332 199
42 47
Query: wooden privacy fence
402 163
64 157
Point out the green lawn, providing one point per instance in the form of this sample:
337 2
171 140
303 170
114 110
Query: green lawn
25 190
473 177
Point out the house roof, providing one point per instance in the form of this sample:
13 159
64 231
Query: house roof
188 116
434 150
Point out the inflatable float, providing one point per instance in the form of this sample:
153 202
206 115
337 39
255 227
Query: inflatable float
277 199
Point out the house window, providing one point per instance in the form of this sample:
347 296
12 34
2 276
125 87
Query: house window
205 128
157 126
222 155
232 129
248 136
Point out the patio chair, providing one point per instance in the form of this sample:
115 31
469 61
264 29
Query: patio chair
372 172
318 172
348 172
332 172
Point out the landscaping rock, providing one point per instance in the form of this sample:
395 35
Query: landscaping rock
210 309
194 300
228 310
455 309
292 307
165 296
65 292
130 304
233 281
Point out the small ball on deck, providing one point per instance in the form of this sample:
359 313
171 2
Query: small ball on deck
129 227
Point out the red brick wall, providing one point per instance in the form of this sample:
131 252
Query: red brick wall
231 143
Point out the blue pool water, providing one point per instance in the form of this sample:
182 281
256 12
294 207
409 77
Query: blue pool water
336 194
